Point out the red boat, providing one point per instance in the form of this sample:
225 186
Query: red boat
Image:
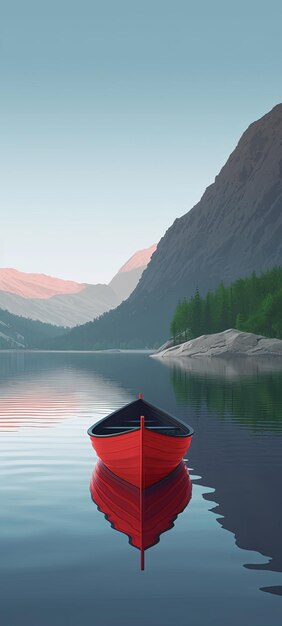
141 514
140 443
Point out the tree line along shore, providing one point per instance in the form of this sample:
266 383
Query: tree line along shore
252 304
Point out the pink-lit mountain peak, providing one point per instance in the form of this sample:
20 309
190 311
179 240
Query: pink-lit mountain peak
139 259
36 285
33 286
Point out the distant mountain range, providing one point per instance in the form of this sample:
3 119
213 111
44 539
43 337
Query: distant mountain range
64 302
234 229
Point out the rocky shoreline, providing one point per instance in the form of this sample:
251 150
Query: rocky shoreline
228 343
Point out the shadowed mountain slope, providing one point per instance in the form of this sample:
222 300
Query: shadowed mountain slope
234 229
18 332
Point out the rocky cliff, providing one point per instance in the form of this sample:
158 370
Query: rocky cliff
234 229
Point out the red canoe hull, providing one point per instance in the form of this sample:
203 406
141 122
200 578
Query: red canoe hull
122 455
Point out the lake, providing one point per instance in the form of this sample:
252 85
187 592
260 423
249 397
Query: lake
61 561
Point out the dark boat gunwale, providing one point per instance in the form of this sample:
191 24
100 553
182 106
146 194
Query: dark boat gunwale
175 420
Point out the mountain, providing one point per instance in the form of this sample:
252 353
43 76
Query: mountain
35 285
128 276
64 302
19 332
234 229
66 309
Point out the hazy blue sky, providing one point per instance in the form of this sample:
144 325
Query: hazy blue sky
115 116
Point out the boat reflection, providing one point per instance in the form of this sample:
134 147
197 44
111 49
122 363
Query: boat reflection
143 515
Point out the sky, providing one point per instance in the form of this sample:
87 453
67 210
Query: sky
116 115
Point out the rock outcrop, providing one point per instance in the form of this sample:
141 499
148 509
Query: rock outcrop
229 343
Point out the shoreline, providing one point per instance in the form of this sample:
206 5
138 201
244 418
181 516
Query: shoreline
229 343
106 351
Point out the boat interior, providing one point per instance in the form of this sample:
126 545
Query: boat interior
127 419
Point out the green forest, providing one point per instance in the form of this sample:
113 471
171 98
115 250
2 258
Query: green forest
252 304
29 333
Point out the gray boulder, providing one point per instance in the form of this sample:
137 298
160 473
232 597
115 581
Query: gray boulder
228 343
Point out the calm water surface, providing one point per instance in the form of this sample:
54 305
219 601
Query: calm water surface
62 563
